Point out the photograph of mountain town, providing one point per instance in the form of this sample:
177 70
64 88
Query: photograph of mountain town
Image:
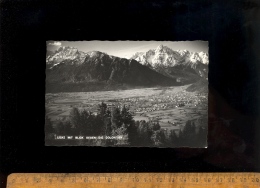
126 93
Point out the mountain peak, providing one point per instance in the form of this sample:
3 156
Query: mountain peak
160 47
96 53
104 71
171 62
65 53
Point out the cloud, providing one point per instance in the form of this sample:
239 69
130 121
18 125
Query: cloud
55 43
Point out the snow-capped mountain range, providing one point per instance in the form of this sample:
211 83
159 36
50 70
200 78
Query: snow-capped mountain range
68 67
165 56
66 53
180 64
161 55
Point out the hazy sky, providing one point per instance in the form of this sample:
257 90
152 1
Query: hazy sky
127 48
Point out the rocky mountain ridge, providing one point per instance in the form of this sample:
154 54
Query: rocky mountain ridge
65 53
68 68
166 56
181 64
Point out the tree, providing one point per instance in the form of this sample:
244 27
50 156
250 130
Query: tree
107 126
85 124
103 111
48 125
98 126
104 114
75 118
59 129
108 130
67 128
129 123
144 133
126 116
156 126
132 134
116 118
181 138
202 137
188 137
159 138
189 128
49 130
173 139
122 132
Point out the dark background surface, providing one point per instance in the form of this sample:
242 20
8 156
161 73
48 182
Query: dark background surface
232 29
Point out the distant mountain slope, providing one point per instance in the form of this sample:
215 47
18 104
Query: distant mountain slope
182 64
199 86
68 68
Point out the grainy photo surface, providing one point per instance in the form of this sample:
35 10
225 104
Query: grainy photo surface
127 93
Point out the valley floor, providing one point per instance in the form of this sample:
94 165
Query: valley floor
171 106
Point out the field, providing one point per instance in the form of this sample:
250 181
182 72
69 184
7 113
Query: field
171 106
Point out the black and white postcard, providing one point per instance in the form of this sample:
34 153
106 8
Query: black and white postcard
127 93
